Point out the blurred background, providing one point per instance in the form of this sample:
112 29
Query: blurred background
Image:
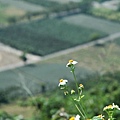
39 37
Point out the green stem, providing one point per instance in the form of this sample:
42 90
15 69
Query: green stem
110 114
79 93
75 79
79 111
82 110
76 105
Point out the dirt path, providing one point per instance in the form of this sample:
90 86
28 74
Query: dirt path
30 58
23 5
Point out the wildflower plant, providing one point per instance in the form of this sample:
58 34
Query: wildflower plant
79 95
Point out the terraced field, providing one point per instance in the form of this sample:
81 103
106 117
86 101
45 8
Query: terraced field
43 37
93 23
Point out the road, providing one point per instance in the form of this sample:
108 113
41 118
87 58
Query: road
23 5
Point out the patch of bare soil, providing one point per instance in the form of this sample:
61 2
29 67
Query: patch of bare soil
7 58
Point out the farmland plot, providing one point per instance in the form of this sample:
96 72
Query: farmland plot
34 76
46 36
93 23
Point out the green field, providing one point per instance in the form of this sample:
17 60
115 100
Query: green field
90 60
57 35
44 3
93 23
36 75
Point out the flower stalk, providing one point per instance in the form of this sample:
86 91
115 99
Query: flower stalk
77 100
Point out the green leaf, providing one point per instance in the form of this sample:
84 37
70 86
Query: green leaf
96 118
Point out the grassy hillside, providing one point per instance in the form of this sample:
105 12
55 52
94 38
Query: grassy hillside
57 35
93 23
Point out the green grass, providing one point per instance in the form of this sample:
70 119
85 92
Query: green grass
93 23
57 35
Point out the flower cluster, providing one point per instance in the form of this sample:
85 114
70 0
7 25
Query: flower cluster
77 99
111 107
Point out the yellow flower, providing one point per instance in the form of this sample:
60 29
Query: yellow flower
107 107
81 86
101 116
71 62
110 107
62 82
75 118
72 118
